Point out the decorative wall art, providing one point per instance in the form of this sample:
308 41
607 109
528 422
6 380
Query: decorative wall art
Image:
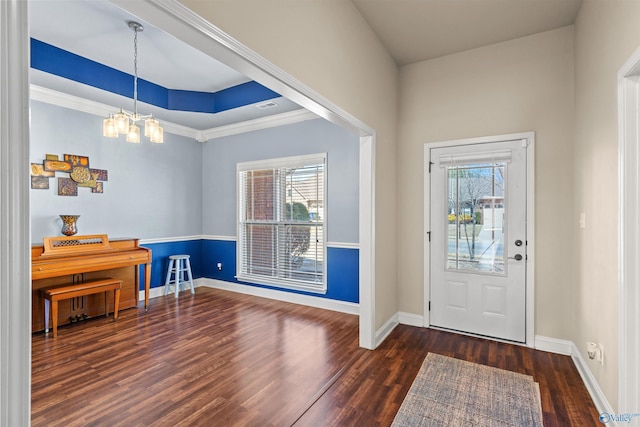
39 182
40 177
57 166
100 174
37 169
66 187
76 160
80 175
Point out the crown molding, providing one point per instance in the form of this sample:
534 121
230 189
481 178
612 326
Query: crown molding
282 119
60 99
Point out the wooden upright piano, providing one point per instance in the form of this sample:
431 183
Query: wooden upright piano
67 260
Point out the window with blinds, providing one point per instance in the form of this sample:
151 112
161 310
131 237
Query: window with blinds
281 222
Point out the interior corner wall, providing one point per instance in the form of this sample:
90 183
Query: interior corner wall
606 35
327 45
516 86
139 199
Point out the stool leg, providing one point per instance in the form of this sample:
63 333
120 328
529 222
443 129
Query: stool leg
190 276
54 317
177 276
168 279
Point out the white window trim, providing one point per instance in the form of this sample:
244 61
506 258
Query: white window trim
291 161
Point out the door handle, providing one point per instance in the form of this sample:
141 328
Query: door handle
517 257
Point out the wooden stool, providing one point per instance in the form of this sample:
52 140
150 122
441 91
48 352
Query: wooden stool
178 264
55 294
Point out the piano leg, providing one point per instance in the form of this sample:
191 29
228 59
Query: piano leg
106 304
147 284
116 302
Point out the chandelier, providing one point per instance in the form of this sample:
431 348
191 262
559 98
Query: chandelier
124 122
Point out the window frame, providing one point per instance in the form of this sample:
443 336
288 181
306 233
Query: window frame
276 163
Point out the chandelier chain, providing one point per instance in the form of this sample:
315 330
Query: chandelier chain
135 71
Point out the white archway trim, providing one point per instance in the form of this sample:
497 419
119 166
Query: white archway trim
367 239
629 235
179 21
15 260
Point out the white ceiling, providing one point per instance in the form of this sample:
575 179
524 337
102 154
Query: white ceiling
411 30
417 30
98 30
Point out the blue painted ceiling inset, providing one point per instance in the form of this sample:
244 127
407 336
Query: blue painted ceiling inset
53 60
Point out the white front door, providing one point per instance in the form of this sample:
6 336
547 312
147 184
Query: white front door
478 242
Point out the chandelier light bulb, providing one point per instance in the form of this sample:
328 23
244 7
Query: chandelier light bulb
109 127
158 135
151 126
134 134
122 122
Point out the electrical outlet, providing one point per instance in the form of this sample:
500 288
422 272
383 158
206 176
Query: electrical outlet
219 266
595 352
600 354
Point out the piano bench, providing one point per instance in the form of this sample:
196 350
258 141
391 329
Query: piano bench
54 294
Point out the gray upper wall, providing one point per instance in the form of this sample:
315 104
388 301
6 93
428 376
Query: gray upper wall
220 157
182 187
154 190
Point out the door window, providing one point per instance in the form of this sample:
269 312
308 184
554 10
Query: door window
475 217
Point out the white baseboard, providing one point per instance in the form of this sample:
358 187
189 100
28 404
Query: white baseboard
311 301
569 348
386 329
159 290
400 318
598 397
410 319
553 345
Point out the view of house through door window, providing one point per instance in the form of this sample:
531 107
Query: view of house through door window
281 222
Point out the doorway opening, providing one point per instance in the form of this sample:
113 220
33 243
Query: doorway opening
628 234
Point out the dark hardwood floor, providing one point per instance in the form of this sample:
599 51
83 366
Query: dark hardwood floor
225 359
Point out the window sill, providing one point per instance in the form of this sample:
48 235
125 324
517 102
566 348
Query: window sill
283 284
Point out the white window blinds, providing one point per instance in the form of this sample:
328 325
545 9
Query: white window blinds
281 222
490 157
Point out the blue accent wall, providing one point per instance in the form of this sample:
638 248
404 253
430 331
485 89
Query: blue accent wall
160 253
215 251
50 59
343 274
53 60
242 94
342 266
